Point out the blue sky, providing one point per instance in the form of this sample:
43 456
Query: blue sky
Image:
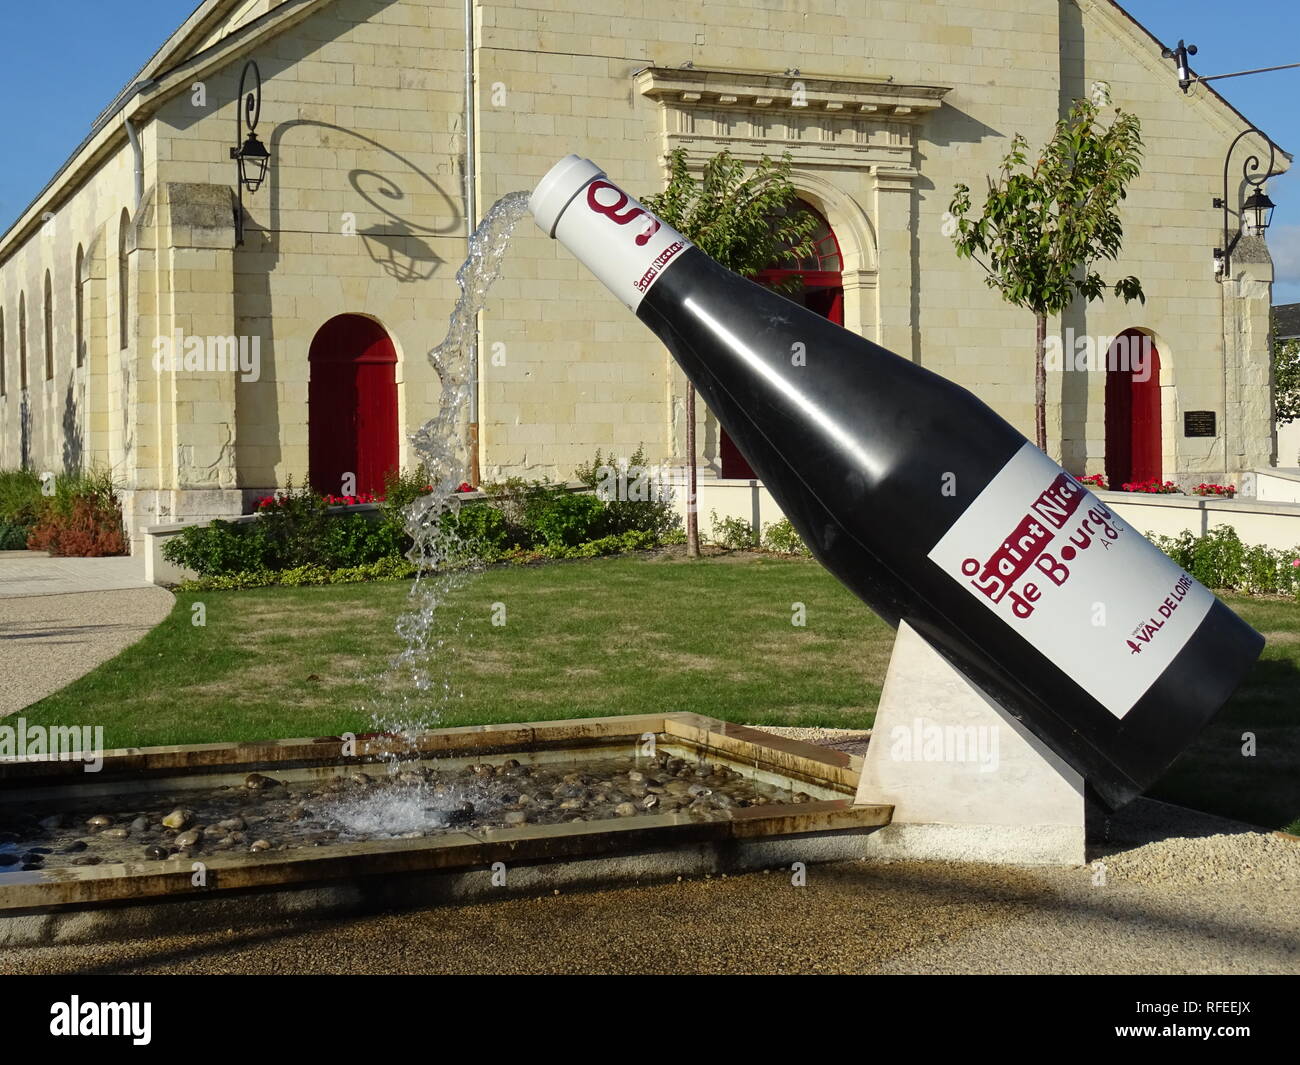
76 54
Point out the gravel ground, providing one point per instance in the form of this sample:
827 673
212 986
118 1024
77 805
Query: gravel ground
853 917
1174 892
48 641
849 740
1256 859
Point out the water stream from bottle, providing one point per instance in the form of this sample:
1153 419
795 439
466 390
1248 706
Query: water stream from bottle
420 680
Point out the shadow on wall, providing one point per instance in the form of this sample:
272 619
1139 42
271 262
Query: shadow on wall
25 430
73 441
396 242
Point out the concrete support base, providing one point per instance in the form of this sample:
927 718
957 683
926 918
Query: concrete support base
967 781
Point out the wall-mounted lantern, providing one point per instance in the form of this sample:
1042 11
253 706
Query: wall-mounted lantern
1255 213
250 154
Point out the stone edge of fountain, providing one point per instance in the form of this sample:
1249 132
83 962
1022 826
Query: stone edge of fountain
68 904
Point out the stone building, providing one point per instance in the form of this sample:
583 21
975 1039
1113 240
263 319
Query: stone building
345 276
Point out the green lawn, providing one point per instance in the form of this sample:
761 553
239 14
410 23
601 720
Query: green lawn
609 636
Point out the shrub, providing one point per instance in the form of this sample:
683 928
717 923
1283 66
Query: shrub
1220 560
513 497
219 548
20 497
357 540
401 489
293 530
560 517
475 530
81 518
13 537
781 537
735 534
634 498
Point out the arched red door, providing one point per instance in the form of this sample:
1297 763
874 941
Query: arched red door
1133 441
351 405
819 286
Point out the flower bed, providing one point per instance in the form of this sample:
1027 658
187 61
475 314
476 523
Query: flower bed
1097 481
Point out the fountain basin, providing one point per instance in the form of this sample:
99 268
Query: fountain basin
803 812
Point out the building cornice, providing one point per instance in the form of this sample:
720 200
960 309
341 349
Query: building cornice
880 98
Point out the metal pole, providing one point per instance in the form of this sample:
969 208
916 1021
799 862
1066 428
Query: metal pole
471 221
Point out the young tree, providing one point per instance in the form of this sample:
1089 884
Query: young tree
1045 226
741 218
1286 380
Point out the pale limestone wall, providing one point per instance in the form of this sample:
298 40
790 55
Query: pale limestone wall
75 415
609 383
362 116
362 111
568 81
1170 230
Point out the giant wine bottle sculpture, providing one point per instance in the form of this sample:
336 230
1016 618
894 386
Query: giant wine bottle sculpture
929 506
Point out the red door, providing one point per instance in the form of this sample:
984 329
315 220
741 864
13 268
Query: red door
1133 440
351 405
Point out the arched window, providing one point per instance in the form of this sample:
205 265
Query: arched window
22 340
79 308
48 311
123 281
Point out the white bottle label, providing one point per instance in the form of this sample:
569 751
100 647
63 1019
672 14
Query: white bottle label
618 240
1056 564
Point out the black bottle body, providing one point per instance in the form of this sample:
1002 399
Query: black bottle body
874 460
928 505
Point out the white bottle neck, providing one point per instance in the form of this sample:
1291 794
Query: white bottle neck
616 238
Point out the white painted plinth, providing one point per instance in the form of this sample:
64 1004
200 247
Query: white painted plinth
967 781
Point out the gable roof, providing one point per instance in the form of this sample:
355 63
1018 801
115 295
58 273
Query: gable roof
194 40
190 44
1140 31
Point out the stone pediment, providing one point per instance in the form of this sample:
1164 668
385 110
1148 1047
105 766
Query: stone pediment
831 121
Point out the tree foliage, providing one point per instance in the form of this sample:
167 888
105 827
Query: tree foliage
1045 227
1286 380
738 216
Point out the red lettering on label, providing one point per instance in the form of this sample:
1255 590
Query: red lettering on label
611 210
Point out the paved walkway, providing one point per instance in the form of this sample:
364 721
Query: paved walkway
62 617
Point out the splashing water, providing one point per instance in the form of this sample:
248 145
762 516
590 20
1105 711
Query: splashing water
419 681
